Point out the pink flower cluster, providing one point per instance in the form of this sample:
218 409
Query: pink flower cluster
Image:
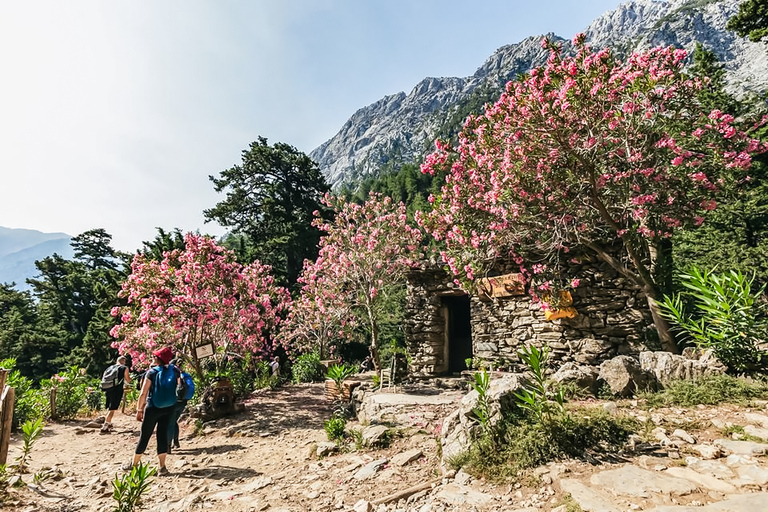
195 296
586 149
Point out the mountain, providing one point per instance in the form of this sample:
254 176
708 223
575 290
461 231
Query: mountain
20 248
400 128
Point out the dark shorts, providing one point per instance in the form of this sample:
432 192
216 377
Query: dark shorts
114 397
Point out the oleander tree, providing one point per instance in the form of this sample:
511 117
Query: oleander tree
197 296
366 251
587 153
321 316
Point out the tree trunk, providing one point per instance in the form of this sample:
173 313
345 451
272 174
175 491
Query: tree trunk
662 326
374 341
193 352
644 280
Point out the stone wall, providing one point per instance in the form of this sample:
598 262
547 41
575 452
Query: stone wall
613 319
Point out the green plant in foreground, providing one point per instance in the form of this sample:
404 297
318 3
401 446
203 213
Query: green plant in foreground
481 383
727 315
31 432
537 397
128 489
334 428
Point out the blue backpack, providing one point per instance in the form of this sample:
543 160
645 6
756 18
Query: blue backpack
188 387
164 386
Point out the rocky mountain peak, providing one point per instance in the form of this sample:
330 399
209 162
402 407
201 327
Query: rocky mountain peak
400 128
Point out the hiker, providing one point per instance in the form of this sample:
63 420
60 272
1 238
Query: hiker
112 382
275 365
184 394
155 408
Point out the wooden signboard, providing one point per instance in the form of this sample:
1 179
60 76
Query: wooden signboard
501 286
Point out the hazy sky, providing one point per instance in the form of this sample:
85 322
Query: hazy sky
113 113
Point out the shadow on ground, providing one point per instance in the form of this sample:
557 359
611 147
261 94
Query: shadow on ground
290 407
216 473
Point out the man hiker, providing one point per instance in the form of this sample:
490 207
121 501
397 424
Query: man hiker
112 382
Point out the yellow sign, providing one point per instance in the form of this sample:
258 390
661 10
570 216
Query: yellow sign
554 314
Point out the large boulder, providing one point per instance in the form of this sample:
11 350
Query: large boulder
580 375
666 367
624 376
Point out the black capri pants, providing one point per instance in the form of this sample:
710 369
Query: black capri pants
155 417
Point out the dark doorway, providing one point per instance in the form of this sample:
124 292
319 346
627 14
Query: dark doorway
459 332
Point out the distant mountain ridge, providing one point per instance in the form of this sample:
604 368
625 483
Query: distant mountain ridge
401 127
20 248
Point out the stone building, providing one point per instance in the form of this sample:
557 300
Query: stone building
444 326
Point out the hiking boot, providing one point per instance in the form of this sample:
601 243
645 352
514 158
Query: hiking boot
106 428
127 466
163 471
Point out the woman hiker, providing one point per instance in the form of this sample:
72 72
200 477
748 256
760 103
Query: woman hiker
155 408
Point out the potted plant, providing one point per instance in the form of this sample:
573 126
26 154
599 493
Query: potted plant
335 377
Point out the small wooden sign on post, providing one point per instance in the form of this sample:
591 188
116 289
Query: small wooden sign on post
507 285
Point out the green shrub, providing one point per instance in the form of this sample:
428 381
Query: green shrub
518 444
334 428
307 368
264 378
240 373
709 390
29 403
71 392
727 316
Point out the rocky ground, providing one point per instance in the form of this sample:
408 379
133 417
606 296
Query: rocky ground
267 459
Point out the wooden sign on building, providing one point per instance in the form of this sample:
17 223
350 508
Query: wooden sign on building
507 285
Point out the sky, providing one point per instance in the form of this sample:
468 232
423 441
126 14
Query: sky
114 113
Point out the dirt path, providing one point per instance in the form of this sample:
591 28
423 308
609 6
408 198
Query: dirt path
265 459
256 460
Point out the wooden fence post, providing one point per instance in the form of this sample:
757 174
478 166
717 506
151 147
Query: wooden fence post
53 403
6 415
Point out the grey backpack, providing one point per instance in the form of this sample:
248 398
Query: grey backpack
110 377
